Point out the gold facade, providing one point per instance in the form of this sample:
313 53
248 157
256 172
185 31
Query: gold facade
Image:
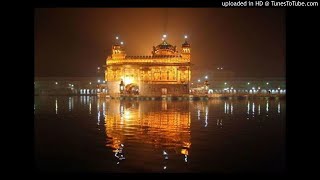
164 72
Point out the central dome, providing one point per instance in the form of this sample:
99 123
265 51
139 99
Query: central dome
164 49
164 45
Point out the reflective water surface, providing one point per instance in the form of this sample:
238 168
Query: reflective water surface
93 135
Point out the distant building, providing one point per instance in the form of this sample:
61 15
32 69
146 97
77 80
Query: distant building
242 85
67 85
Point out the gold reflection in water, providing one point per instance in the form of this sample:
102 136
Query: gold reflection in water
279 107
161 124
185 152
104 109
164 105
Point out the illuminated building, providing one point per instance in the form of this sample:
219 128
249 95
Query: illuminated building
165 72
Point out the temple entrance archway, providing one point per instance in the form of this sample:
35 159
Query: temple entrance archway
132 89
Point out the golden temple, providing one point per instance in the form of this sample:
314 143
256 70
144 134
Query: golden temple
164 72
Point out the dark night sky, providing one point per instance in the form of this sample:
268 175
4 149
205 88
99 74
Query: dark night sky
74 41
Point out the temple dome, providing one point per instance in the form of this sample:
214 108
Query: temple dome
164 45
164 49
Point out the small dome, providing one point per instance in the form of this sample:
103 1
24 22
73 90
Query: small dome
186 44
116 46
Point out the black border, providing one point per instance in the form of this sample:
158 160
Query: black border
301 50
302 42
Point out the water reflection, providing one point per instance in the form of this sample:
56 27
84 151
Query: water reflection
258 108
228 107
90 107
253 108
225 107
166 129
153 136
101 113
98 115
165 159
71 103
87 99
165 155
119 153
206 117
56 106
219 123
104 108
231 108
